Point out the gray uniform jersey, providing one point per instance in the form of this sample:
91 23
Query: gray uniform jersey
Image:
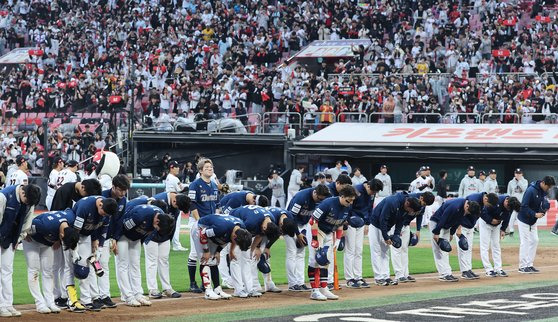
517 188
276 186
334 172
490 186
469 186
386 180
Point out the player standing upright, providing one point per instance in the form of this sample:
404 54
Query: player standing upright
173 184
276 185
20 175
491 184
57 166
68 174
469 184
295 182
516 188
204 194
386 180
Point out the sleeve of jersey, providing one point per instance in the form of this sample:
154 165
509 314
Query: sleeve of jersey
193 195
80 216
318 213
442 220
103 231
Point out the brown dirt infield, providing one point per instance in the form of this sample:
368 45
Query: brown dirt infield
190 304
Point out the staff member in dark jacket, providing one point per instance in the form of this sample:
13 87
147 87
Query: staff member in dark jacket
441 186
533 206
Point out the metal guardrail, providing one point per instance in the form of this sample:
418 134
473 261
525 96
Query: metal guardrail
352 117
279 122
549 118
500 117
425 116
453 117
315 119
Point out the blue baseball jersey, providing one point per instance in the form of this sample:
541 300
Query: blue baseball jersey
112 222
88 220
449 215
469 221
499 213
534 201
204 197
333 189
138 223
363 204
174 212
219 228
141 200
252 216
302 206
331 214
276 213
233 200
388 213
45 228
408 218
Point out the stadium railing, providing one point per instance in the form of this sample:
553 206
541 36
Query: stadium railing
352 117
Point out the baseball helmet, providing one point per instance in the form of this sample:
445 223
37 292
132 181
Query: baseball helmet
81 272
263 266
356 221
413 240
444 245
341 244
300 245
463 243
321 256
395 241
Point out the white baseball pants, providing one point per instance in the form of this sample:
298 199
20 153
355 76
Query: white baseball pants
224 269
129 272
39 258
441 258
241 271
326 241
295 257
7 269
58 273
465 256
48 201
157 262
281 201
101 284
352 261
378 253
490 239
290 195
400 256
513 219
176 237
528 242
85 285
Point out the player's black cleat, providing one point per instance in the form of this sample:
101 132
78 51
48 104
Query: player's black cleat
61 303
108 303
195 289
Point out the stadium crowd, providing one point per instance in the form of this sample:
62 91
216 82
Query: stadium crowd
217 59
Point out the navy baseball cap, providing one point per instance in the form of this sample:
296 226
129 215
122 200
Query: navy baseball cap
482 173
173 164
518 170
383 167
72 163
471 168
492 171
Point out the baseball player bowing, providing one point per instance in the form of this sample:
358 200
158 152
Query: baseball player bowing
328 217
157 251
101 284
301 207
137 224
533 207
400 256
390 212
492 228
354 234
17 204
285 220
443 225
466 231
48 231
241 198
204 194
92 213
210 234
259 223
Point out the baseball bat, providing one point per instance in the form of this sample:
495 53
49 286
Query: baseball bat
335 272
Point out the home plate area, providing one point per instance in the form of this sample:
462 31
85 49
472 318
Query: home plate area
520 305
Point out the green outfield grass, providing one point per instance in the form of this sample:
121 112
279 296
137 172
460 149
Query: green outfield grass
420 261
